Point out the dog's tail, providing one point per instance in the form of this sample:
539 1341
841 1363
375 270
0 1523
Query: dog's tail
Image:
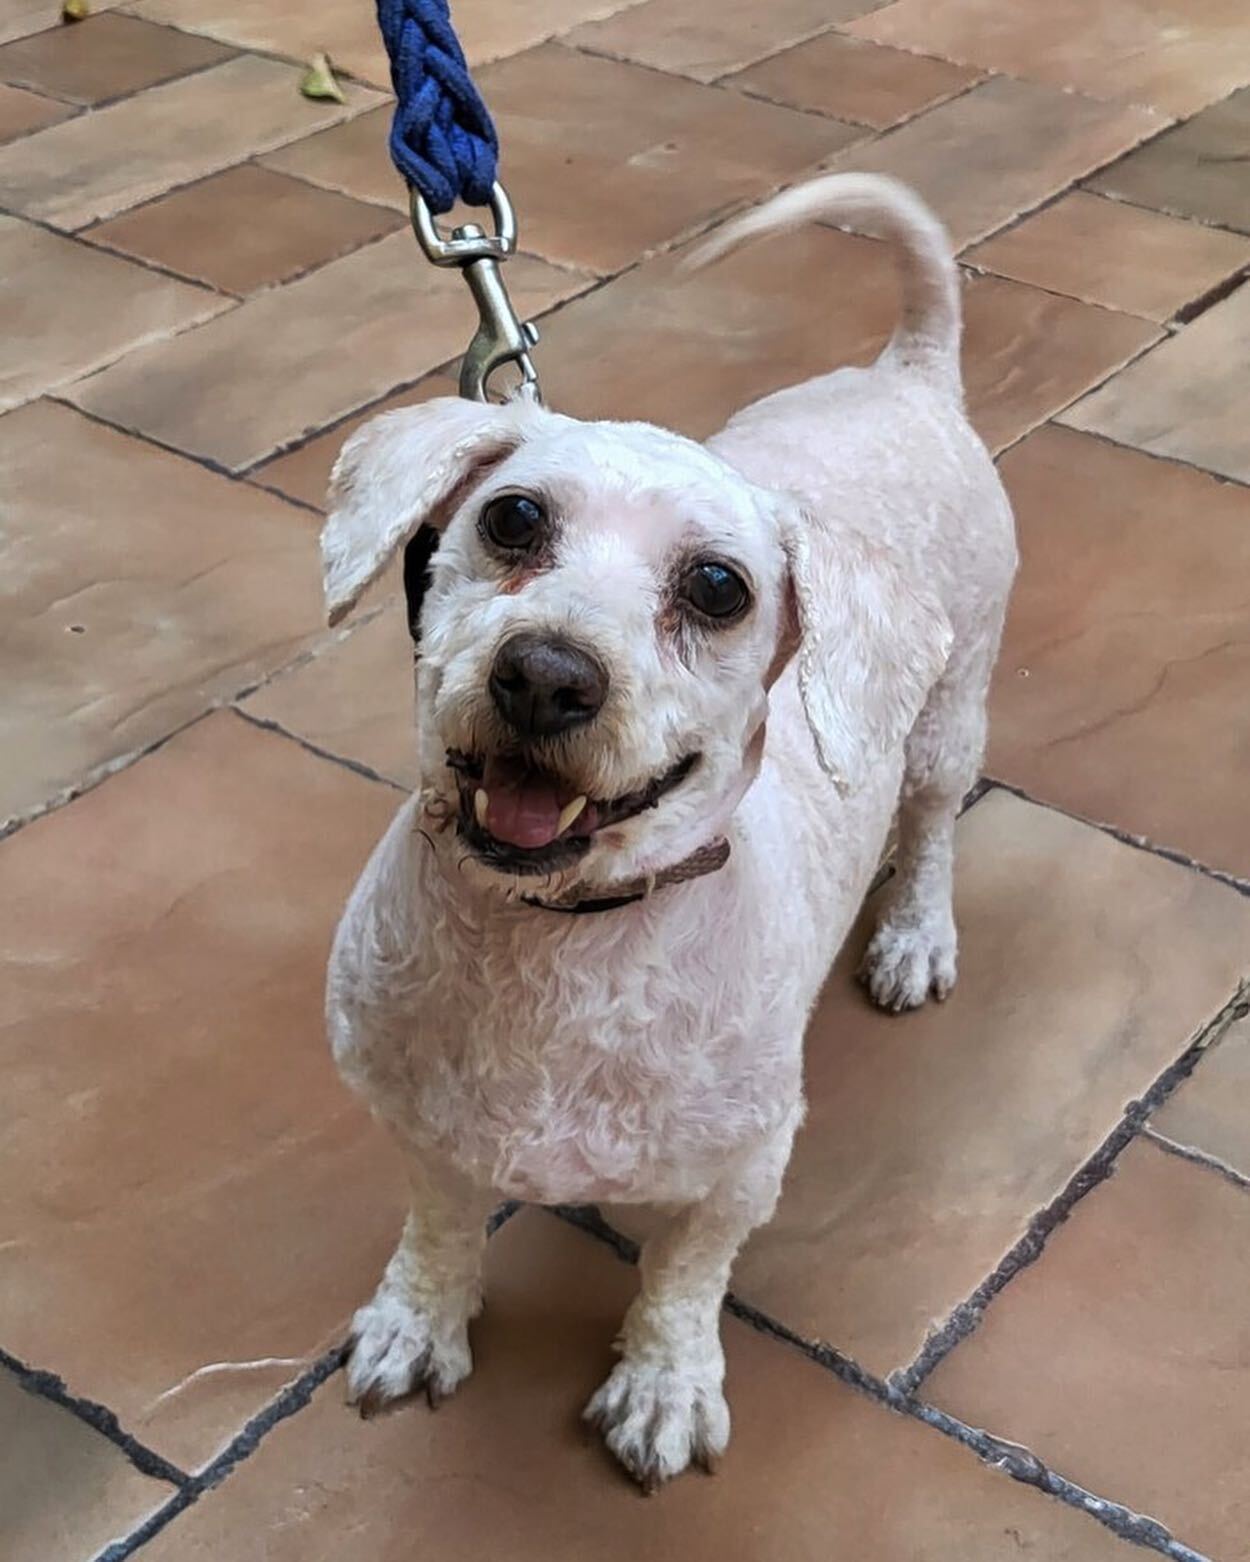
927 338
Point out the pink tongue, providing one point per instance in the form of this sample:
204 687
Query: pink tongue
524 807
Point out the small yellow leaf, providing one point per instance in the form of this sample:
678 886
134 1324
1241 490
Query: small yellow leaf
75 11
318 81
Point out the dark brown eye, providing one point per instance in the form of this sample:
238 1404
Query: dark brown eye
716 591
513 521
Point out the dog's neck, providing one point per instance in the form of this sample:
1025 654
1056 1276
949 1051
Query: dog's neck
579 901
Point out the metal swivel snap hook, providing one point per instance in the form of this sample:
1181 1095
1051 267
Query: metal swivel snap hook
501 338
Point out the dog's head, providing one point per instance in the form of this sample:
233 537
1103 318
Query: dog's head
600 622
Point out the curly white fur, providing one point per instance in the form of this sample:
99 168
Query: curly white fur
652 1054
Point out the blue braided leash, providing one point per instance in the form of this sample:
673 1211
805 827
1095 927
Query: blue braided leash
442 139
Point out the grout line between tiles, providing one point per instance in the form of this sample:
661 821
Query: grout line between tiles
1139 843
1191 1153
157 268
76 112
232 52
350 113
47 1385
209 463
1215 294
225 701
678 75
94 778
1166 457
1159 211
356 766
1012 1459
872 132
295 1397
965 1318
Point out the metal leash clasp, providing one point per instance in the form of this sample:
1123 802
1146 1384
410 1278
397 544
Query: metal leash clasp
501 338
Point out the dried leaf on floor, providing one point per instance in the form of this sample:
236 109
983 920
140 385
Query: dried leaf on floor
318 80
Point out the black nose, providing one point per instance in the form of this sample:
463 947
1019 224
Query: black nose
542 685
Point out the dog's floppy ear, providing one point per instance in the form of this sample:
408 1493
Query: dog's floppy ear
871 645
401 471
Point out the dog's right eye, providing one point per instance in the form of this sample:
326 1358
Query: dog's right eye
513 522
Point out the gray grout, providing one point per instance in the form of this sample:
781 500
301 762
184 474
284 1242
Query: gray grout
965 1319
296 1396
47 1385
356 766
1141 843
1011 1459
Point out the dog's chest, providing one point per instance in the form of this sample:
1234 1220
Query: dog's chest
557 1068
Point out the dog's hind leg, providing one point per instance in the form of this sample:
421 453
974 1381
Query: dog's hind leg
663 1405
912 953
414 1333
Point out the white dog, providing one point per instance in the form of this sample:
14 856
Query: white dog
611 619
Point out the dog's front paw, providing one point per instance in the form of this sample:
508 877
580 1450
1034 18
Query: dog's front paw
397 1349
658 1420
902 966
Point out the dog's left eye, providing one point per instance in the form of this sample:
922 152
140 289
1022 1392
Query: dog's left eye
716 591
513 521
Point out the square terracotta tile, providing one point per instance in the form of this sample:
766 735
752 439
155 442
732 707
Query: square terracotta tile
292 28
487 29
106 56
606 160
352 157
100 164
138 589
187 1180
1122 1357
304 473
246 228
65 1491
1174 55
1208 1112
617 160
1120 690
1116 255
506 1457
69 309
1187 398
688 350
18 18
1196 170
22 112
852 79
706 42
932 1139
1000 149
298 357
494 29
354 698
1029 353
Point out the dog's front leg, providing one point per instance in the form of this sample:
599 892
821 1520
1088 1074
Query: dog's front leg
663 1405
415 1332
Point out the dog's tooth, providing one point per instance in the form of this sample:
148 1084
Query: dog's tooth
481 802
570 813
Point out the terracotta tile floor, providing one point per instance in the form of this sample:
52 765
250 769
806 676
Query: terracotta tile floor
1002 1308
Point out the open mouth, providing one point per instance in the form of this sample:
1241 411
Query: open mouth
520 818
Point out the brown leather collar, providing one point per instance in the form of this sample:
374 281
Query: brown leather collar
707 859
